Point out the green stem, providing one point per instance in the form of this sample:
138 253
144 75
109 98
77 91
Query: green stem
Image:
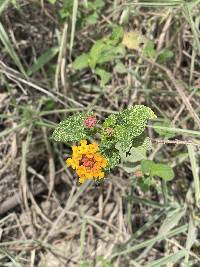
164 191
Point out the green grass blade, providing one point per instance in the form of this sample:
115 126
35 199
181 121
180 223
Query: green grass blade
159 3
9 48
193 4
151 241
195 31
3 5
145 227
11 258
191 238
8 131
74 14
176 130
82 237
172 258
171 221
195 172
43 59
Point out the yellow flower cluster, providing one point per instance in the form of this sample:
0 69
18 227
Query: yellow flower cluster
87 161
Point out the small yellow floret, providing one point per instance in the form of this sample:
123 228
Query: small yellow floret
87 161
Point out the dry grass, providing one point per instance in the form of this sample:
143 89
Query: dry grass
47 219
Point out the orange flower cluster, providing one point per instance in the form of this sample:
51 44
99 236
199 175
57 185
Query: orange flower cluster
87 161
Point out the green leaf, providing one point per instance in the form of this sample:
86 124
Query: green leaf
130 167
139 153
136 152
131 123
163 171
81 62
99 4
145 183
92 19
103 51
149 50
43 59
165 55
95 5
86 264
112 156
110 52
71 129
104 76
68 5
157 169
52 2
95 53
127 125
120 68
117 35
147 166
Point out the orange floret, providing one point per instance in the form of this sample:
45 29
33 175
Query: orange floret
87 161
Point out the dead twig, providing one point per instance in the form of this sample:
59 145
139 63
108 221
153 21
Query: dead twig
175 142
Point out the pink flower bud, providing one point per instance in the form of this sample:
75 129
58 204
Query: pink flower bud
90 122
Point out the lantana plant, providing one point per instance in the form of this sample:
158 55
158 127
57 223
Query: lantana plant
97 147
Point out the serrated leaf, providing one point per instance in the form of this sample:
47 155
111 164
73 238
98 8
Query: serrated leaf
127 125
81 62
131 123
71 129
112 156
